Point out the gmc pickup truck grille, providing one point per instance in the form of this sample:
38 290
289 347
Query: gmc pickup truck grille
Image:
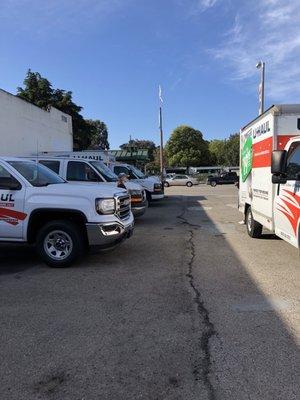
123 207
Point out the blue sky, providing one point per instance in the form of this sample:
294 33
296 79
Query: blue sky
113 54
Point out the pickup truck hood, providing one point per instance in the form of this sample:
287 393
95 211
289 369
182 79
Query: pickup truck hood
98 190
133 186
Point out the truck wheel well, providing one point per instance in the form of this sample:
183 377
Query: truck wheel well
40 217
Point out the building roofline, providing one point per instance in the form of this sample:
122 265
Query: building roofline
32 104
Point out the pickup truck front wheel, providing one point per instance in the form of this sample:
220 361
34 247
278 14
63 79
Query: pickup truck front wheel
59 243
254 228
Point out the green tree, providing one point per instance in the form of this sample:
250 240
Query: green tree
232 149
135 144
99 134
187 148
37 90
225 152
217 151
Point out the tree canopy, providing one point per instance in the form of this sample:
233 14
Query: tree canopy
39 91
187 148
99 134
225 152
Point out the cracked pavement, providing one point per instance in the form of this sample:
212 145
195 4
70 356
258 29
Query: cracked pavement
189 308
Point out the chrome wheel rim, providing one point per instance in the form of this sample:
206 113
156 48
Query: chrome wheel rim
58 245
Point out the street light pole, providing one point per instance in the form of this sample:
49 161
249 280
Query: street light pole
261 65
161 154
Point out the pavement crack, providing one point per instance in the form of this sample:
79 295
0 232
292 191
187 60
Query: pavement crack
202 369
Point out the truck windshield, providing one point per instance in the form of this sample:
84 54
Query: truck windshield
36 174
107 174
137 172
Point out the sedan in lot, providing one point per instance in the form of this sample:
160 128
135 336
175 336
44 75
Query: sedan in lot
181 180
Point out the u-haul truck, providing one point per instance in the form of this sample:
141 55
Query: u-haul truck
269 190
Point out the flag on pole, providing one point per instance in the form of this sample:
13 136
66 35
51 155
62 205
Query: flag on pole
160 94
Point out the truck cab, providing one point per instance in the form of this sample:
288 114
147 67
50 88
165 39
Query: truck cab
153 187
286 175
61 219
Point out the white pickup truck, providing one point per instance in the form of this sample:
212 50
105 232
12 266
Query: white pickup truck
61 219
87 171
153 187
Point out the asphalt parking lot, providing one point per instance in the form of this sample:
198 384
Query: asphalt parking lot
188 308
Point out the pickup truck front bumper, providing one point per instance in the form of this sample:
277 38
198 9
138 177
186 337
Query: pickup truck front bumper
108 234
139 208
157 195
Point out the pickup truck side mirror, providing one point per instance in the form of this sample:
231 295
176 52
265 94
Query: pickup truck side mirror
10 184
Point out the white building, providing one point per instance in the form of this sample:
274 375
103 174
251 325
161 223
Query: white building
26 129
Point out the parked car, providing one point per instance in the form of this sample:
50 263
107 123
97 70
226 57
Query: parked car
39 207
87 171
181 180
224 178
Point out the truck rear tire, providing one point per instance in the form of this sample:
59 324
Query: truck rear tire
254 228
59 243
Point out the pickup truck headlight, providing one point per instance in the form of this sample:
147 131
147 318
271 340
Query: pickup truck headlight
136 196
105 206
157 187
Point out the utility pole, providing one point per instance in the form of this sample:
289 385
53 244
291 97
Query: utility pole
161 136
261 89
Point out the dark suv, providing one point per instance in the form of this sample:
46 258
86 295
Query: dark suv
223 179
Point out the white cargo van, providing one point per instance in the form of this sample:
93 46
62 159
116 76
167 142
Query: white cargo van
269 187
61 219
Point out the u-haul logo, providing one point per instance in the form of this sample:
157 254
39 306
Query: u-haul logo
7 198
11 217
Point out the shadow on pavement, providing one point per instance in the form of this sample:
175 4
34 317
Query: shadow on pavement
172 314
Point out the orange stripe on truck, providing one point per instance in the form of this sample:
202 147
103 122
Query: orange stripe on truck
262 150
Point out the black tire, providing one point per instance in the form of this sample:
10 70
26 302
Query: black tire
189 184
213 183
68 241
166 184
254 228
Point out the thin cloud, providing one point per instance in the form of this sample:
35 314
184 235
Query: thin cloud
195 7
268 30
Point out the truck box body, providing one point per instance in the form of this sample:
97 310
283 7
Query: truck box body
273 130
26 129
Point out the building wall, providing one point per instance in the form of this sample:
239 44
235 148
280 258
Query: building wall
26 129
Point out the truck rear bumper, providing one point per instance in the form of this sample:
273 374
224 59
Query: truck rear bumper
107 235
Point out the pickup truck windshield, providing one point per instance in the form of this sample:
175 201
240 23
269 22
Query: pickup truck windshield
107 174
36 174
137 172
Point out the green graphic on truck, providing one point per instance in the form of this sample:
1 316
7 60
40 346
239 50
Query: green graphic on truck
246 158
